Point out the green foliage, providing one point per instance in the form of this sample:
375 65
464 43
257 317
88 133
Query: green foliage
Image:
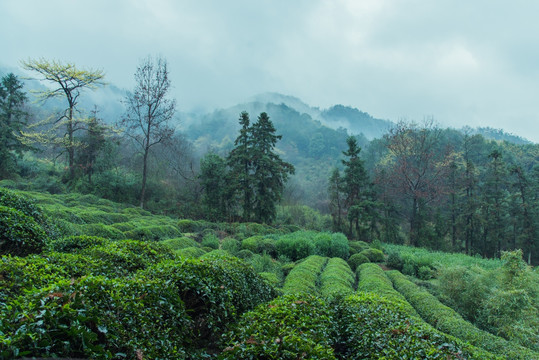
394 260
371 278
305 331
337 279
20 234
447 320
303 278
296 245
357 259
211 241
231 245
331 245
374 255
104 231
99 318
190 252
259 244
215 290
372 327
179 243
75 243
357 246
153 233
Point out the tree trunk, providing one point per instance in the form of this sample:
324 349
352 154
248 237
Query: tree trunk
144 175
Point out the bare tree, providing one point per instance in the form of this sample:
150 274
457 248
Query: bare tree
149 111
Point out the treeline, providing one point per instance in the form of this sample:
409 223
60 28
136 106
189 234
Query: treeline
440 189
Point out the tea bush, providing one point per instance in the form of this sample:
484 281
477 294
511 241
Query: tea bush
337 278
190 252
357 259
305 331
296 245
211 241
98 317
303 278
100 230
331 245
20 234
449 321
231 245
374 255
75 243
372 327
215 290
179 243
153 233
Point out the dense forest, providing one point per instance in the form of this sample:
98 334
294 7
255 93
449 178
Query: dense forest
159 234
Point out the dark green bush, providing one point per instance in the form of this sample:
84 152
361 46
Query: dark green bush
231 245
394 260
305 331
75 243
245 254
447 320
153 233
211 241
358 246
331 245
357 259
98 317
296 245
20 234
425 273
374 255
215 290
103 217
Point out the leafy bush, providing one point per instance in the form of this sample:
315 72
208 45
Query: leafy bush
215 290
303 278
75 243
394 260
98 216
374 255
358 246
231 245
20 234
179 243
296 245
372 279
211 241
190 252
305 331
425 273
372 327
104 231
357 259
331 245
153 233
447 320
245 254
98 317
337 278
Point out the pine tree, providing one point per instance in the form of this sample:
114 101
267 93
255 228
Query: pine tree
12 119
269 171
213 180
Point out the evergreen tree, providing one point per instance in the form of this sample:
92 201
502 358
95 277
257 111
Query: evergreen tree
93 142
12 119
239 161
213 180
356 187
336 199
269 171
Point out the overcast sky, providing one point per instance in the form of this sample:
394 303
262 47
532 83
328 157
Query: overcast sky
463 62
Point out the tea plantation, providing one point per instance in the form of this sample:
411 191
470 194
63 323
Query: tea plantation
82 277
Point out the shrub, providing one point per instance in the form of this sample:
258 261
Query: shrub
97 216
98 317
394 260
245 254
190 252
296 245
337 278
331 245
447 320
425 273
409 269
20 234
358 246
357 259
75 243
305 331
231 245
153 233
211 241
371 327
374 255
215 290
179 243
303 278
104 231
